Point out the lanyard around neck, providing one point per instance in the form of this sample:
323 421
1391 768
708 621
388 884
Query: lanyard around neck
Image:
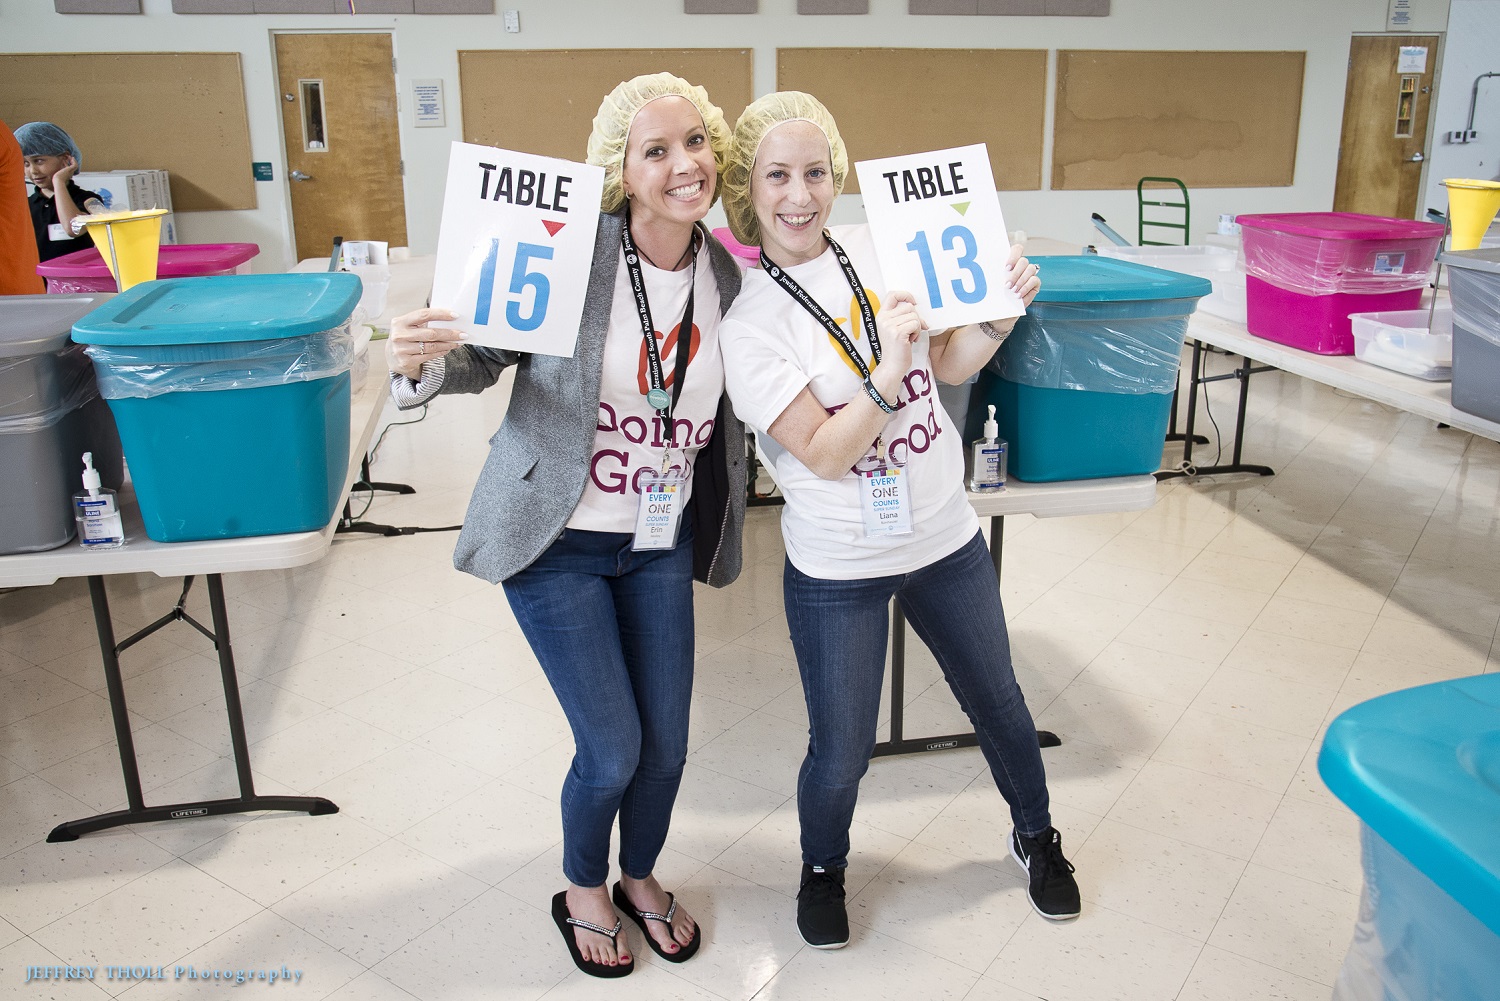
657 396
807 302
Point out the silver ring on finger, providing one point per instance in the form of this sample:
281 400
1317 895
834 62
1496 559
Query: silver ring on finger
423 348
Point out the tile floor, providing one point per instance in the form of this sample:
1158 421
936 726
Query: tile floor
1191 655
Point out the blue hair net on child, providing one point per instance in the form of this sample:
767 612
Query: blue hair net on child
46 139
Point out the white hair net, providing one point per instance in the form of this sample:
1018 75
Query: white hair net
46 139
611 132
757 121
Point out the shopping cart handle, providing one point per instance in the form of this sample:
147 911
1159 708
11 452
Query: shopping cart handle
1103 227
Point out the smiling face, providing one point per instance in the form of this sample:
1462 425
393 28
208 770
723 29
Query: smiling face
791 189
669 171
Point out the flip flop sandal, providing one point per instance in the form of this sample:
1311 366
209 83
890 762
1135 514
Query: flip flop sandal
564 919
684 953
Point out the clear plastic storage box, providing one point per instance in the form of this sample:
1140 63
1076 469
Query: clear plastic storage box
1415 342
232 397
50 414
1220 265
1421 770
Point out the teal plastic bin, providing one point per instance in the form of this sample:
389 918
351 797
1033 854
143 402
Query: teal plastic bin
1421 769
1082 388
232 398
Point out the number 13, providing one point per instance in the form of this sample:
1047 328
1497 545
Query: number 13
966 260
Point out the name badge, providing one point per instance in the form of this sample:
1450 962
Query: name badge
658 512
884 500
56 232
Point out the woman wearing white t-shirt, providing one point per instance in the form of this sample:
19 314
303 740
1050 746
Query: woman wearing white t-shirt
839 375
559 515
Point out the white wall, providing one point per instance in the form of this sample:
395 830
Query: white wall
426 46
1472 48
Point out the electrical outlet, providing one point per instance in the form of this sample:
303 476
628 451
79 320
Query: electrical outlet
1463 136
513 21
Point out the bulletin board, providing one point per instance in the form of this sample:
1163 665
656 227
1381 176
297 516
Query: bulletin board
182 112
543 101
1213 119
890 102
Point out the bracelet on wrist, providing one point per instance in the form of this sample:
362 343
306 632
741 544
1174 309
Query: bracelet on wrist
880 401
988 329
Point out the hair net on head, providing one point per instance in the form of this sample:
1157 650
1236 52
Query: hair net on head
612 128
46 139
757 121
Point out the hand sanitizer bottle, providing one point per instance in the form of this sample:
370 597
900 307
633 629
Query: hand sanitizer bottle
97 511
987 459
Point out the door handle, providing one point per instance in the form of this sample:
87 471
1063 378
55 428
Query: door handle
1414 158
297 175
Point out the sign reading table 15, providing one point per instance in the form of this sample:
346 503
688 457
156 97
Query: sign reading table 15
939 233
515 247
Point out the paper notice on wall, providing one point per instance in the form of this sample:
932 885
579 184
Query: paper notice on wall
939 234
1412 59
515 247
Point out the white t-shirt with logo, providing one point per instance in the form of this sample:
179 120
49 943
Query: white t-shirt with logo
773 348
630 437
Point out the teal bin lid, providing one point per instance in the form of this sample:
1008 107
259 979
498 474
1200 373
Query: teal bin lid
1421 768
220 309
1091 278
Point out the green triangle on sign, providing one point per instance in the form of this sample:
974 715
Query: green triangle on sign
961 207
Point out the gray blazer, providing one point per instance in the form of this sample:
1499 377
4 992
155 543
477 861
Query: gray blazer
539 458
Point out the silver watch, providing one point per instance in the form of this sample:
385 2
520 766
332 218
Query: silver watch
989 331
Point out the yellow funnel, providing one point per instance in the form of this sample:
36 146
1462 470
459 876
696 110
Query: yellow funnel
129 242
1471 208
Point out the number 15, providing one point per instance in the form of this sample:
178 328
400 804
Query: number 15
966 260
520 277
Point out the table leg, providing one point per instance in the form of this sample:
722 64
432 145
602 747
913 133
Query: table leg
138 812
1197 378
898 743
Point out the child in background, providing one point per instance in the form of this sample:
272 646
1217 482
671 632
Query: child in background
57 205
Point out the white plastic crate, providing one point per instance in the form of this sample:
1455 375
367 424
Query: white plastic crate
1402 341
1218 264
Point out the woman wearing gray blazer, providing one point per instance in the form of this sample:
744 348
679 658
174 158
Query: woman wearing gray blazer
559 518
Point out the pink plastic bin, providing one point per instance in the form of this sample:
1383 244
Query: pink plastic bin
1316 323
85 270
747 256
1321 253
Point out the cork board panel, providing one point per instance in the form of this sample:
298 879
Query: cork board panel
1213 119
890 102
543 101
182 112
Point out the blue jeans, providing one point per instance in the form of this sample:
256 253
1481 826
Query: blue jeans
839 629
613 630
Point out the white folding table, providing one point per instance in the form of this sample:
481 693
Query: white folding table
1042 500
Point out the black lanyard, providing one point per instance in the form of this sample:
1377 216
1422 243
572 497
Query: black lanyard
807 302
657 396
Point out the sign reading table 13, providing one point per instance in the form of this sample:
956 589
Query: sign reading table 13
939 233
515 247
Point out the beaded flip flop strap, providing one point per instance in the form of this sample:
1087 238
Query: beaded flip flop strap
665 918
610 932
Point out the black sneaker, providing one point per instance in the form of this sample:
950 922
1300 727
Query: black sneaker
1053 891
821 917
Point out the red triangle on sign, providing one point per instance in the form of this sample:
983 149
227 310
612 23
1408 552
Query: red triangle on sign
552 227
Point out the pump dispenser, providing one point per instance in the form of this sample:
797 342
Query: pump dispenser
97 511
987 459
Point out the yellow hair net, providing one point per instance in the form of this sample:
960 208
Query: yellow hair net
616 114
757 121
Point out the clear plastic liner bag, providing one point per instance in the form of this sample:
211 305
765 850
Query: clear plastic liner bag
1069 346
1412 941
1320 266
146 371
1476 299
38 390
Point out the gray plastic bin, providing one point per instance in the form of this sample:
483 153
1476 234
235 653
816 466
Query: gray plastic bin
50 414
1474 281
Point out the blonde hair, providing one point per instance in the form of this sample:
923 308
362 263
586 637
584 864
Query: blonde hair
750 131
617 113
